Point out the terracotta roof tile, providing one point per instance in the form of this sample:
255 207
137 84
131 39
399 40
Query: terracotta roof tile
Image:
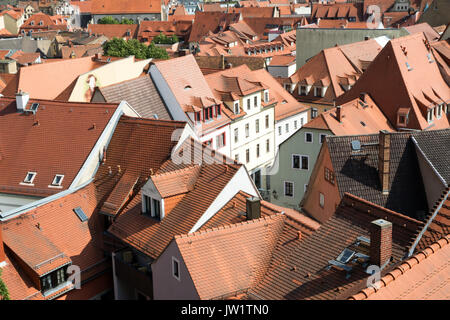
127 7
299 268
215 249
126 31
422 277
210 21
61 123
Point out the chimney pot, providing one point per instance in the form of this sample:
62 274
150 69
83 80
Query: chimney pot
253 205
380 242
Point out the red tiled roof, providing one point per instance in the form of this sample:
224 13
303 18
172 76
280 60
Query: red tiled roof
25 58
30 78
409 80
181 211
248 12
126 31
422 277
299 270
215 249
210 22
284 60
85 6
42 21
43 143
149 29
125 7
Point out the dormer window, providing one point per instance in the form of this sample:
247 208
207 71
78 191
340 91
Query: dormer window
318 92
218 111
29 178
208 113
197 117
236 107
439 111
302 90
266 96
54 279
430 115
41 23
152 207
58 180
32 23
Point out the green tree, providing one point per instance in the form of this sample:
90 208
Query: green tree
4 294
127 21
118 47
108 20
163 39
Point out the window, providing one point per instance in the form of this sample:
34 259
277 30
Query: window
29 177
288 189
255 101
301 122
308 137
208 113
268 145
313 113
176 268
322 138
287 127
248 104
257 125
209 143
302 90
295 124
236 107
305 188
279 130
152 207
236 157
247 130
257 150
220 140
197 117
247 155
300 162
58 180
80 213
53 279
266 96
317 92
430 115
321 199
236 135
218 111
329 175
439 111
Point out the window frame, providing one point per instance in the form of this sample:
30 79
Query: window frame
30 182
54 184
176 262
284 189
312 137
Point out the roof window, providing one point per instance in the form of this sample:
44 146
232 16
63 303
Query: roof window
408 66
29 177
430 59
80 214
58 180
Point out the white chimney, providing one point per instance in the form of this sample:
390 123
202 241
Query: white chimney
22 100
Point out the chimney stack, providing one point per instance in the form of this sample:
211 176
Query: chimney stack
2 249
380 242
253 208
339 113
22 100
384 157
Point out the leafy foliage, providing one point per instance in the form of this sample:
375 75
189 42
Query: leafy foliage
132 47
163 39
4 294
111 20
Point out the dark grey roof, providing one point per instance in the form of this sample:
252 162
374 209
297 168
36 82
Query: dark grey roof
435 144
357 173
141 94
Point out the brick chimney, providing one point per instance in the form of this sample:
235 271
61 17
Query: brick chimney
380 242
384 157
253 205
2 249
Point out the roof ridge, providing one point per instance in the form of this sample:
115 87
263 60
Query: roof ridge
402 268
394 213
275 216
148 121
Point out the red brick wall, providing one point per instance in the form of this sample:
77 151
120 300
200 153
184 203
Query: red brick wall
380 243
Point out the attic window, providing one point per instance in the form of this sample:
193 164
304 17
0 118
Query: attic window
58 180
362 123
187 87
345 256
34 107
29 177
80 214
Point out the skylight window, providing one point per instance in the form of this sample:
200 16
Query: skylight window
58 180
29 177
80 213
345 256
34 107
408 66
